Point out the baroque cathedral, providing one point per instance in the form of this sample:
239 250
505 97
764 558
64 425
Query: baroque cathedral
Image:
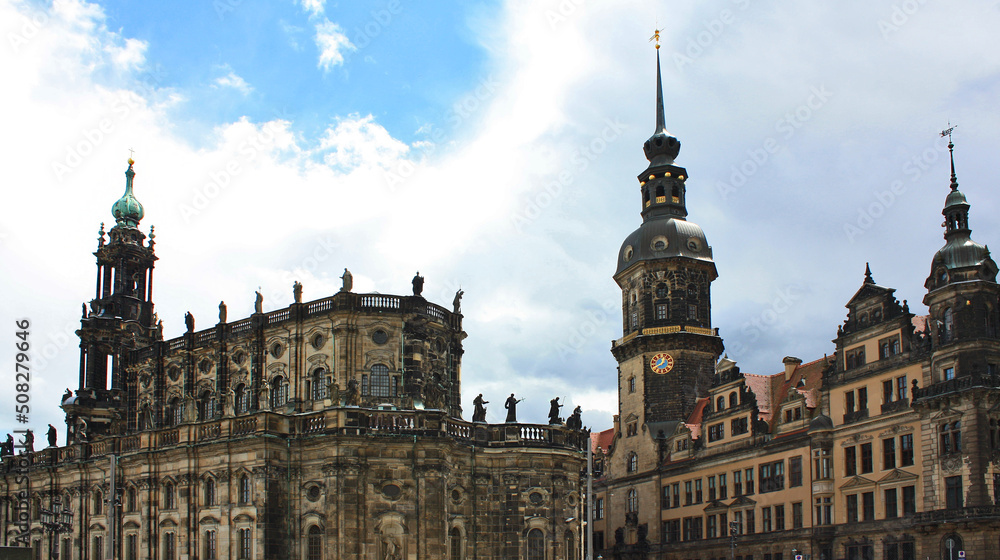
327 429
333 428
887 449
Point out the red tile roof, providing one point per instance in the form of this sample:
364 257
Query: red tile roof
602 440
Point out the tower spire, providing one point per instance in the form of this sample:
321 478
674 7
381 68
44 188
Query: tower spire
661 126
951 152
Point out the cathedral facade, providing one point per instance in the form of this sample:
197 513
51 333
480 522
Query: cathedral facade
327 429
887 449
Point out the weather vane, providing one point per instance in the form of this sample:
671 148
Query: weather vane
947 131
656 37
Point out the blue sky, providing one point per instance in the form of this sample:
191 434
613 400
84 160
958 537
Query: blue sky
494 147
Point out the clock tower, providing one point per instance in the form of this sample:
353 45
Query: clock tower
668 350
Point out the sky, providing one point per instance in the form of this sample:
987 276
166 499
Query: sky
492 146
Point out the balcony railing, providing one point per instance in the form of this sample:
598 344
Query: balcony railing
900 405
960 514
856 415
341 421
956 385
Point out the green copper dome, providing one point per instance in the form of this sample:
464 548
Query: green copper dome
127 210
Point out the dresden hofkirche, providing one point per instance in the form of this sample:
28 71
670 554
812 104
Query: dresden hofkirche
333 429
326 429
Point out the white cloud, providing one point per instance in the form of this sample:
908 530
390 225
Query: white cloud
360 142
313 7
332 43
234 81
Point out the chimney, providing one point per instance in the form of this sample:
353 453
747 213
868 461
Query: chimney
791 363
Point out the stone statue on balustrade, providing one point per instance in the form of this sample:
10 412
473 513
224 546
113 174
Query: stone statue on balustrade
479 414
348 279
554 407
574 422
353 397
511 405
297 291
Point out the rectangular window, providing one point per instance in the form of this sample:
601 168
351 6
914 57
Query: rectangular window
796 515
887 391
716 432
822 465
723 524
862 398
795 471
889 501
953 492
866 458
824 510
711 488
949 373
599 508
852 508
688 493
738 522
169 547
665 497
723 487
751 522
888 347
211 546
906 450
854 358
888 454
765 519
671 531
99 548
697 491
661 311
779 517
676 491
245 544
772 476
737 483
738 426
901 388
868 503
909 500
711 527
849 404
749 481
692 311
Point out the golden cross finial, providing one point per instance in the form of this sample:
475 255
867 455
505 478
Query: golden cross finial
656 37
131 152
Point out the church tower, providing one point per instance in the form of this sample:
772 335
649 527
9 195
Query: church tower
669 350
119 319
959 397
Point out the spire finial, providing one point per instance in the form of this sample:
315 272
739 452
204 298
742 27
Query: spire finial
131 153
951 152
661 125
868 274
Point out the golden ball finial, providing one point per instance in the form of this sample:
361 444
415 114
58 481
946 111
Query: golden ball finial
131 161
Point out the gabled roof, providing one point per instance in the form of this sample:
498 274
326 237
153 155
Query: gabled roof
694 419
602 440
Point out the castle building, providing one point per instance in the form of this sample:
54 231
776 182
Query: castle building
327 429
889 448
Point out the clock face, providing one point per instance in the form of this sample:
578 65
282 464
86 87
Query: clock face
661 363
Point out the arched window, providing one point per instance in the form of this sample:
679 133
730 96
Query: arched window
536 545
175 411
168 496
319 384
314 544
659 191
455 543
206 406
279 391
130 500
632 464
950 546
242 399
720 404
661 290
380 381
734 400
98 503
949 325
675 191
210 491
570 545
632 504
243 492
